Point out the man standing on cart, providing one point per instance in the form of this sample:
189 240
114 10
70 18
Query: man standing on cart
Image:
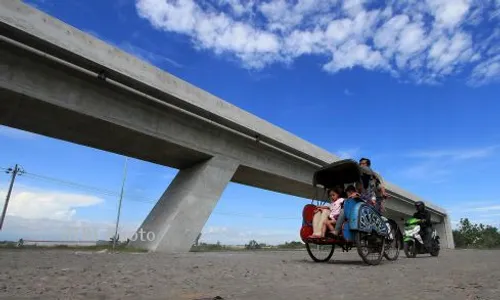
373 191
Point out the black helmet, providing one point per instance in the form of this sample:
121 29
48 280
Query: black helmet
420 205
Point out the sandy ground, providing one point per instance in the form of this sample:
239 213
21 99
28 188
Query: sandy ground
63 274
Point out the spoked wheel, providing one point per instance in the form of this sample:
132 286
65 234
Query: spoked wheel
370 247
320 253
392 244
410 249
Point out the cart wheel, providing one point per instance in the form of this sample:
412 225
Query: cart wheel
392 244
320 253
370 247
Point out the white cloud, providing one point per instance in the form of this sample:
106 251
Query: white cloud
348 153
446 53
238 8
456 154
426 41
37 214
436 165
495 13
212 30
41 204
477 211
412 39
16 228
449 13
387 35
487 71
487 208
429 171
352 54
55 230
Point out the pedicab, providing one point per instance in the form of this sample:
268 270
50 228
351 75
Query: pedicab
364 228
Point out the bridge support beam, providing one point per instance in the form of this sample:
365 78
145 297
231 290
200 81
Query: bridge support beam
182 211
445 233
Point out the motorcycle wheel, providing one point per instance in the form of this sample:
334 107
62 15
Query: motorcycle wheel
392 247
435 248
410 249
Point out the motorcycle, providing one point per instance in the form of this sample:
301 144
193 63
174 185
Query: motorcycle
413 243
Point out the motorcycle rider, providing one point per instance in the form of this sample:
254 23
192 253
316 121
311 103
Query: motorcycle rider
425 223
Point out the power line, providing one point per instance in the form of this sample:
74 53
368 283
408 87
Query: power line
110 193
96 190
69 183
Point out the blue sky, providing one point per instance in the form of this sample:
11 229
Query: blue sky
413 86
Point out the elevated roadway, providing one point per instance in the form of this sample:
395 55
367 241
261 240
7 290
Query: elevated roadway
60 82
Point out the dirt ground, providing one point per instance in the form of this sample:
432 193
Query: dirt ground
64 274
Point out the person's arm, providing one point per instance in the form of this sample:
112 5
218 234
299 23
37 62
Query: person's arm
383 191
428 218
381 185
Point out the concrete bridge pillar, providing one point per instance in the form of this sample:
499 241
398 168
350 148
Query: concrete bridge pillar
445 233
182 211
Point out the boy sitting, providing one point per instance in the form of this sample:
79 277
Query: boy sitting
351 193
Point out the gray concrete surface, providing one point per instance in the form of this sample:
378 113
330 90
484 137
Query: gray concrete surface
182 211
50 98
455 274
78 43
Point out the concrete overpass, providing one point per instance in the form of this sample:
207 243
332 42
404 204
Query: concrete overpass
57 81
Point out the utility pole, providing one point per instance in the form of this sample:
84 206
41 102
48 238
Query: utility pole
17 170
120 203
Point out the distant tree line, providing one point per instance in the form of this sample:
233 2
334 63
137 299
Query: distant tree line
469 235
292 245
251 245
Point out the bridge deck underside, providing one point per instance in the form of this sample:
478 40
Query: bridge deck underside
22 112
29 114
43 97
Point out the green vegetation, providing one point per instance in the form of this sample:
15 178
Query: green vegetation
470 235
120 246
251 246
292 245
204 247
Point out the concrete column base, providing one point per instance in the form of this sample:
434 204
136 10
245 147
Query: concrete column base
182 211
449 232
445 233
